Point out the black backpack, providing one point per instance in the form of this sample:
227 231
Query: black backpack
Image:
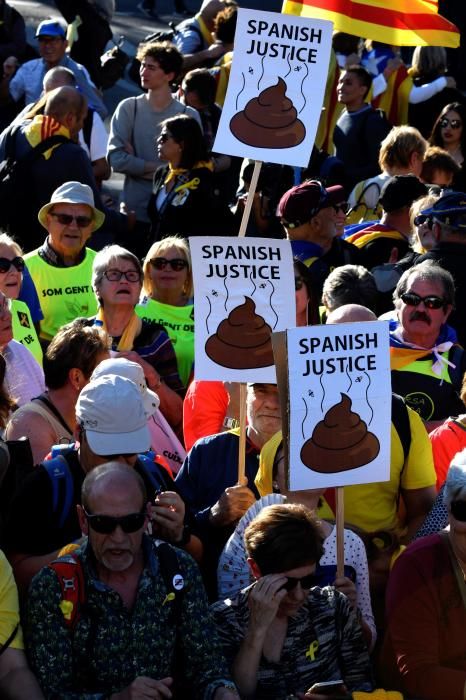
15 179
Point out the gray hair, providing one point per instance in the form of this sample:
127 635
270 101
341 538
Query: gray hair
349 284
455 483
105 257
427 270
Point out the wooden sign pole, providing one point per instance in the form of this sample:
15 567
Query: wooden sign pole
340 514
242 479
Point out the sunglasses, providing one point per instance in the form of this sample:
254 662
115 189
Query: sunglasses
5 264
165 136
176 264
116 275
458 510
343 206
321 204
422 219
305 581
67 219
454 123
106 524
430 302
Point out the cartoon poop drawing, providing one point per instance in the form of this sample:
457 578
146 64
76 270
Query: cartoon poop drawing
269 121
242 340
339 442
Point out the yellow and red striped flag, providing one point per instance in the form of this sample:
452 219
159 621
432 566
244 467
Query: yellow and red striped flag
396 22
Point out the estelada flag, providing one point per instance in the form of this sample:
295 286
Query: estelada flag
395 22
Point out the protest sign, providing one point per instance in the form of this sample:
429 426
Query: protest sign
276 87
339 403
243 291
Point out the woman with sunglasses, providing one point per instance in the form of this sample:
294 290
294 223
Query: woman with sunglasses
167 299
11 278
283 634
183 201
117 282
424 652
449 133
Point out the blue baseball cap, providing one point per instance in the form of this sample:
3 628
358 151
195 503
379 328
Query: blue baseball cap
50 28
449 209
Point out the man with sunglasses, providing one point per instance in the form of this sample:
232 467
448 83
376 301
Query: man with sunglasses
139 632
42 517
308 215
448 216
426 361
61 268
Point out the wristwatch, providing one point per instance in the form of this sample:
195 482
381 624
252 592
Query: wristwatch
230 423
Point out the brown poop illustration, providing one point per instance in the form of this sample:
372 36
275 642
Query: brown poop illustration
242 340
269 121
339 442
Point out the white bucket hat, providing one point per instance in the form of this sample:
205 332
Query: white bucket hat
131 370
111 411
73 193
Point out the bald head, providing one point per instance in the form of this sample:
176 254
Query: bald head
64 101
108 476
58 77
351 313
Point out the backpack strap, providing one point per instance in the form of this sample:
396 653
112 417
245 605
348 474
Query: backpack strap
400 419
62 484
69 572
456 356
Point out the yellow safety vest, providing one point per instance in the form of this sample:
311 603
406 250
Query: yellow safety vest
65 293
23 328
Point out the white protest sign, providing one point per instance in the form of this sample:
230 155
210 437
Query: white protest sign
276 87
340 404
243 291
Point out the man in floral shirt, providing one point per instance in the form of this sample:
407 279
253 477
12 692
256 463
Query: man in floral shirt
132 637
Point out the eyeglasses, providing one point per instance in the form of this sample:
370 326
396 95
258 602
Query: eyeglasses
165 136
305 581
67 219
422 219
106 524
5 264
454 123
298 283
458 510
343 206
116 275
430 302
176 264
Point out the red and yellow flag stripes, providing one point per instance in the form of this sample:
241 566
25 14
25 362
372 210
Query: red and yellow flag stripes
396 22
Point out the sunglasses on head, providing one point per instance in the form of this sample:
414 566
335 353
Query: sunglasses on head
454 123
176 264
458 510
430 302
5 264
306 582
67 219
106 524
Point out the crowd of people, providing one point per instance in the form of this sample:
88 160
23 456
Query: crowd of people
135 563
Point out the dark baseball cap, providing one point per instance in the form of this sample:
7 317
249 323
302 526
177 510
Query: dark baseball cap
450 210
302 202
401 191
50 28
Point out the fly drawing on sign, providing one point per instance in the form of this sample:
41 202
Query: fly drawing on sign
269 120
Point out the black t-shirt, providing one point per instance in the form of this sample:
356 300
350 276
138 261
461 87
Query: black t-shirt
32 525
